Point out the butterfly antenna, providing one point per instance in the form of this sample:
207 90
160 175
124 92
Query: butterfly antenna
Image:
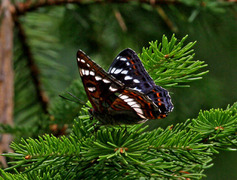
78 100
67 99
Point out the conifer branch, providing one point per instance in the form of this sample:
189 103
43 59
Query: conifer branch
23 7
170 63
180 151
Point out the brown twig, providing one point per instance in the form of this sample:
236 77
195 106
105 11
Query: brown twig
22 8
166 19
120 20
34 70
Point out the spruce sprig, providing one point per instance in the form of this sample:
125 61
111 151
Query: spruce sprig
170 63
177 151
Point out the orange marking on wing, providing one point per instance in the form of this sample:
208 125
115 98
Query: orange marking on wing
96 95
161 116
133 93
152 116
131 61
149 104
140 97
158 95
136 72
159 102
121 105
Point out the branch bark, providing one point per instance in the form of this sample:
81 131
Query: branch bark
22 8
6 74
34 70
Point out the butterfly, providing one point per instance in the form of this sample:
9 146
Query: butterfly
126 94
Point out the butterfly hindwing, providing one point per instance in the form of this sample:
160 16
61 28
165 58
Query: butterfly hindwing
128 68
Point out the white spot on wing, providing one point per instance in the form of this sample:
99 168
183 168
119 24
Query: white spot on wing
106 81
87 72
123 59
98 78
92 73
129 99
88 65
127 78
117 71
123 96
91 89
83 61
138 110
83 71
124 72
78 59
136 81
136 105
112 89
137 89
132 103
143 117
112 70
127 63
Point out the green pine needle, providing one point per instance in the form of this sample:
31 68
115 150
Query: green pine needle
171 63
180 151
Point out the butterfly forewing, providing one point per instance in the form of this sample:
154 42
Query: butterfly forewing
108 95
99 86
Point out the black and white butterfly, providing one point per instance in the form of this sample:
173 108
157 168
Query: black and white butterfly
126 94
